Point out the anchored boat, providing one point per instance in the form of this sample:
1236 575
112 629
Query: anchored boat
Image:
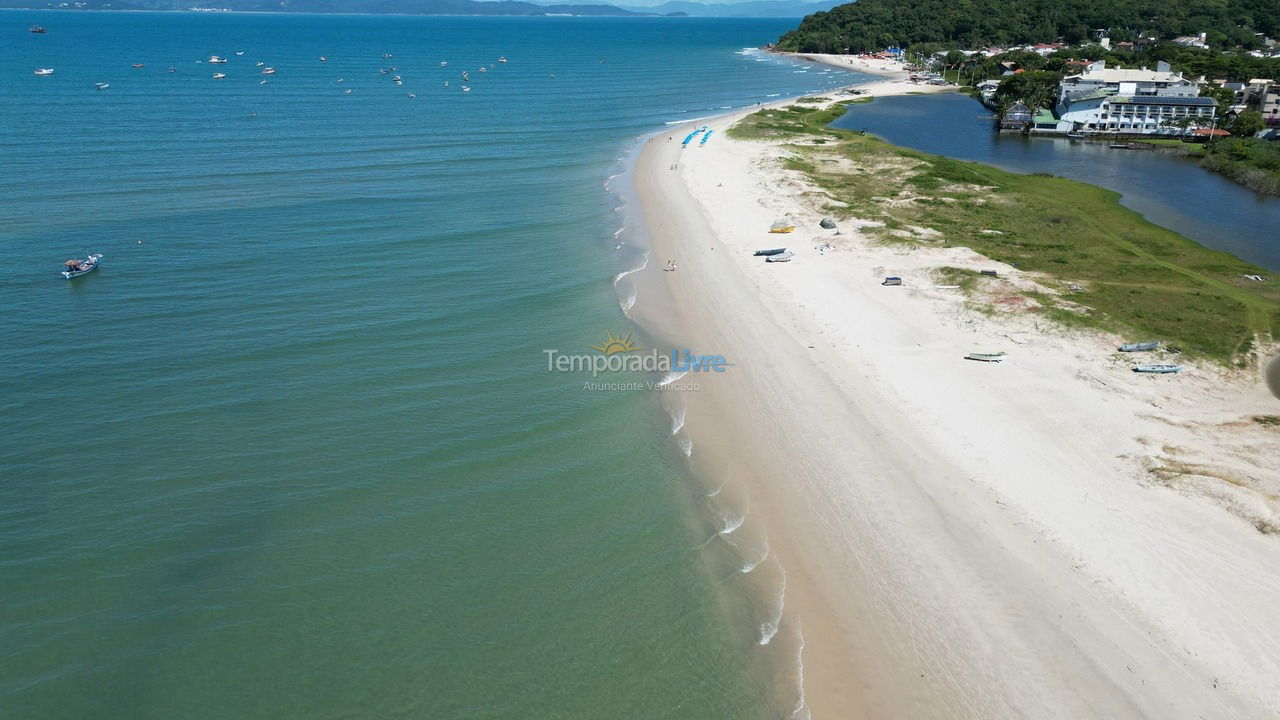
76 268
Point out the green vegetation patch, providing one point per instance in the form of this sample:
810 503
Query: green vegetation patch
1117 272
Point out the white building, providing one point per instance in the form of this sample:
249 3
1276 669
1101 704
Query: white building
1146 102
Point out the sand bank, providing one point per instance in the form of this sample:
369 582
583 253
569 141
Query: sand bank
961 539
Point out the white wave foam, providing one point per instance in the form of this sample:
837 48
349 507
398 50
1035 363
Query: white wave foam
689 120
801 711
672 376
686 445
731 523
677 421
644 263
629 303
715 492
769 629
750 565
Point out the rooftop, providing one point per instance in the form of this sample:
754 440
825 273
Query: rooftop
1119 75
1153 100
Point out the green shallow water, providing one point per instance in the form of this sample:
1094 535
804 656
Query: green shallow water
293 450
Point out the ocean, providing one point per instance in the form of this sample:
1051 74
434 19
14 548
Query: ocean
294 450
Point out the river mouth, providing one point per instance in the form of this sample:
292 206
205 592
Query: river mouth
1167 189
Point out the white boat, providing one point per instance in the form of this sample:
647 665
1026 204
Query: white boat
324 59
102 86
44 71
1159 369
446 83
443 63
263 81
259 64
465 76
216 60
466 89
347 91
219 76
502 58
268 71
780 257
412 95
76 268
396 78
239 52
482 69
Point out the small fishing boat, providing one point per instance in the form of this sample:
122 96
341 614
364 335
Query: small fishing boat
268 71
465 76
1140 347
1120 146
40 31
398 83
263 81
324 59
173 69
412 95
395 78
1160 368
386 56
446 83
216 60
502 58
892 280
782 226
383 71
466 89
985 357
102 86
1075 135
347 91
219 76
443 63
257 64
44 71
780 257
239 52
766 253
482 69
137 66
76 268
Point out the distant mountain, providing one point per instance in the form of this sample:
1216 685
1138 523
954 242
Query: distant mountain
401 7
751 8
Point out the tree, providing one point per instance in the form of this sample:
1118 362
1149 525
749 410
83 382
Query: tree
1246 124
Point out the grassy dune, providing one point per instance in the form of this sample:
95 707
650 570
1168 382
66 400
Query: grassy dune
1101 264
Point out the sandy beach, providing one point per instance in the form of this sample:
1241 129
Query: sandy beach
1048 537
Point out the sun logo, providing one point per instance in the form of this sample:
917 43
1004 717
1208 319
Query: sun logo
613 344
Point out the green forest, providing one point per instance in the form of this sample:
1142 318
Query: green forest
870 25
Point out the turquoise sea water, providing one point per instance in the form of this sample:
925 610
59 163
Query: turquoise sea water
293 450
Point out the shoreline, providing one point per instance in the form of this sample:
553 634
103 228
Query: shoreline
935 567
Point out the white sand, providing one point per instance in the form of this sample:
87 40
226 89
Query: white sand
962 539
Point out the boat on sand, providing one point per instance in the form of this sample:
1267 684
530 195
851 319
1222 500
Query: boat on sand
1159 368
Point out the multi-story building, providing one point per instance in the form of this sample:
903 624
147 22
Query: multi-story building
1139 102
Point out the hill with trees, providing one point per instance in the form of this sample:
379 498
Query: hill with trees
870 25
